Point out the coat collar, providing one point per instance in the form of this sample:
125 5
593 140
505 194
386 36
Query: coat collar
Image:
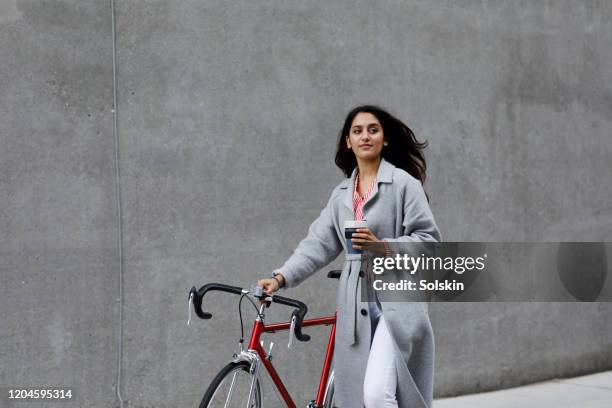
384 175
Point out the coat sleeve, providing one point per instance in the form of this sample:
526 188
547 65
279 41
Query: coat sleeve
418 223
319 248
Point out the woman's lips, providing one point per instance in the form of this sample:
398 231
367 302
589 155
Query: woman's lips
365 146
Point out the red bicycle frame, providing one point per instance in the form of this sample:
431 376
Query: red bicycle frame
255 345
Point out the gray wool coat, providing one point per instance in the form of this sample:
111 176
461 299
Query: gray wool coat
396 211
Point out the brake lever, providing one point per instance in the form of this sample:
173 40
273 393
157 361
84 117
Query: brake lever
291 330
189 305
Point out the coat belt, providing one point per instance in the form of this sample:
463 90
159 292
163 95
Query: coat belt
350 300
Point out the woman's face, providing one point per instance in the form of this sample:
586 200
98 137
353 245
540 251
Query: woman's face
366 137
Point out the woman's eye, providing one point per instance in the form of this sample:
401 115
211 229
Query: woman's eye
356 131
373 130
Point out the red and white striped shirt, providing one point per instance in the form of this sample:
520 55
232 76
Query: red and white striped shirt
358 200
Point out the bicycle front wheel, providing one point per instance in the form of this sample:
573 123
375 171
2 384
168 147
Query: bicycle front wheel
231 387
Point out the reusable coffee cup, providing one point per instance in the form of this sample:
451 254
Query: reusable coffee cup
350 227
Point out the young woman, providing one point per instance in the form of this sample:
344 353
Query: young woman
385 169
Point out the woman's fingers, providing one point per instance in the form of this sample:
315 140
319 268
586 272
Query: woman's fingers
363 236
269 285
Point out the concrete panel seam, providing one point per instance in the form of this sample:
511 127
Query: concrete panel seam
119 212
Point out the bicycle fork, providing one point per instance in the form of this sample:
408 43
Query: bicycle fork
255 373
254 365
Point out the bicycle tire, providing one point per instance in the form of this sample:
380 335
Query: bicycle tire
216 394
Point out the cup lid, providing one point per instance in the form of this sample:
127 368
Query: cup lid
355 224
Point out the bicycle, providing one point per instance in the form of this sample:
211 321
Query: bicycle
240 378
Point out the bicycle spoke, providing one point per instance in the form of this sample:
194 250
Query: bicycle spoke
231 390
237 388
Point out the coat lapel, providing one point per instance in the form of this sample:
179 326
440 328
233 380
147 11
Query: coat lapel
384 175
348 186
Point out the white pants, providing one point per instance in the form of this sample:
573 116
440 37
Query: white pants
379 386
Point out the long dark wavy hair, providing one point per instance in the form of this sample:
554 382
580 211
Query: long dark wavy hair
403 150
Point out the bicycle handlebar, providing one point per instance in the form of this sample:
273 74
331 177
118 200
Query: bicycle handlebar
198 296
298 313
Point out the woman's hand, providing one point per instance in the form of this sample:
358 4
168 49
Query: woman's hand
365 239
270 285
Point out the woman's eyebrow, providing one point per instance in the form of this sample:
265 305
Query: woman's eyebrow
368 125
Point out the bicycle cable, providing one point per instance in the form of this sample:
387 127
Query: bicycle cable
240 314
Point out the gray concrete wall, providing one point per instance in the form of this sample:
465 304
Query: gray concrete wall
228 116
58 257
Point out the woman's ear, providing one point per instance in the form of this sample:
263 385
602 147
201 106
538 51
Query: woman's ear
348 142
